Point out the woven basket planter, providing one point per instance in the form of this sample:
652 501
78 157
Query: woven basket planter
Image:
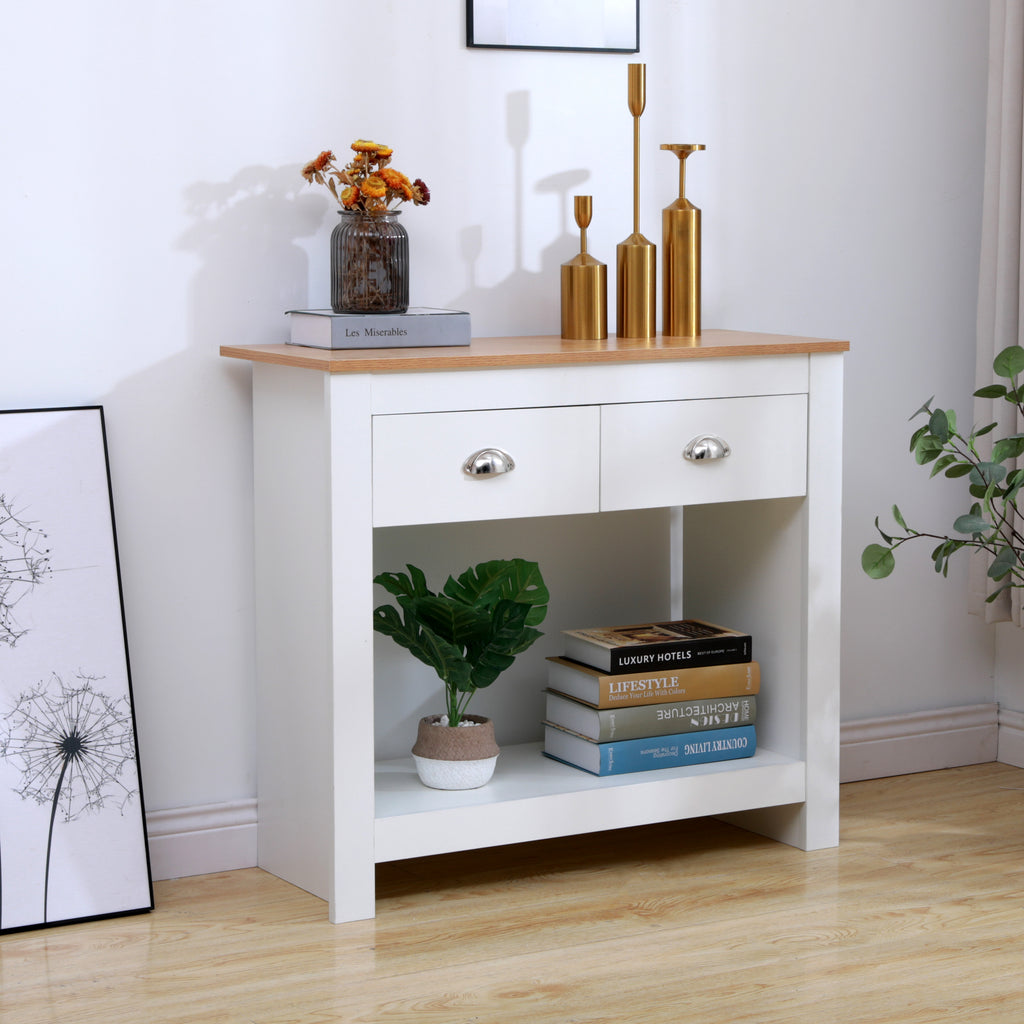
459 757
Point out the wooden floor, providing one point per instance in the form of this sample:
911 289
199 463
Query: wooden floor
916 917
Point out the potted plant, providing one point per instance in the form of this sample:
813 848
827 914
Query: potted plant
369 246
992 522
468 633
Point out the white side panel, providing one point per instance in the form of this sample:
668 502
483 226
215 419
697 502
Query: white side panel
292 537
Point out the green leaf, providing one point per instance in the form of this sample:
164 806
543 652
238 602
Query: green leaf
938 424
971 523
917 435
1008 448
984 430
960 469
514 579
877 562
986 473
898 516
942 463
927 407
1009 362
991 391
1003 563
928 449
888 540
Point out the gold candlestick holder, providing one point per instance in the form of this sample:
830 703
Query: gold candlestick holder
635 256
680 248
584 285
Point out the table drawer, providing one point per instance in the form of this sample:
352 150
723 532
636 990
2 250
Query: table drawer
642 445
418 459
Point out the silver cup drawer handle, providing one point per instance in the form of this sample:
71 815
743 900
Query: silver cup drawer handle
488 462
705 447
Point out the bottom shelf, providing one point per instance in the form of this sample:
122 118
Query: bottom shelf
532 797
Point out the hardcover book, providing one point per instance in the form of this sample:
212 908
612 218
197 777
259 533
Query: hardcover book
623 757
417 327
604 690
657 645
630 723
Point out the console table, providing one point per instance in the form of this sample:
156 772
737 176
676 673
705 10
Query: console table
351 443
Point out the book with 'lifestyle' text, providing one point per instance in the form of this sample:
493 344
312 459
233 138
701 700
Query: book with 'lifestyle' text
604 690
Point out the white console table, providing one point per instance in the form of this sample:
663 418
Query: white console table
351 443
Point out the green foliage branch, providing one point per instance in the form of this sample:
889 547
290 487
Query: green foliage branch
991 523
472 630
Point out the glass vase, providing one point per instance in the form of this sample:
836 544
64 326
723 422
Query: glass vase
369 263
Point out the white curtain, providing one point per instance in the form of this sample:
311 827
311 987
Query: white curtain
1001 286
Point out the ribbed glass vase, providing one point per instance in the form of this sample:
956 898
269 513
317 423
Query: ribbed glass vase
369 263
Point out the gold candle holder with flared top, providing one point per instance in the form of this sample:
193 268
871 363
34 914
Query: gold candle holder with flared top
635 256
680 248
584 285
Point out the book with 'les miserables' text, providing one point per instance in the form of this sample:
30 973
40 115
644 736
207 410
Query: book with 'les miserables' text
417 327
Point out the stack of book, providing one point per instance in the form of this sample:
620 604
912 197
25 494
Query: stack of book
657 695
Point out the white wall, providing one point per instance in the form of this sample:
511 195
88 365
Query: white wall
152 209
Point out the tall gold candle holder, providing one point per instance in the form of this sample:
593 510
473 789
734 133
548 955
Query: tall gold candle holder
584 285
636 257
680 248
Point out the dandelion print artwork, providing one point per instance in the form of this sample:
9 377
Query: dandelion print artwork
76 752
72 823
24 563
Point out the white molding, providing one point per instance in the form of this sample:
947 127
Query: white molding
874 748
1011 737
201 840
222 837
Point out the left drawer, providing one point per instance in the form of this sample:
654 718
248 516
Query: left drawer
418 460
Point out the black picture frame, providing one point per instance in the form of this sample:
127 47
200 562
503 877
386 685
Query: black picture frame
73 843
583 26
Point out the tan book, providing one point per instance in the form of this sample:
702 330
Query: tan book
607 691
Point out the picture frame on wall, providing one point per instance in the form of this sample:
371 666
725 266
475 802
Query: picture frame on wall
73 842
599 26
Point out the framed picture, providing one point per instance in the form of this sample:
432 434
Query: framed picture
72 823
604 26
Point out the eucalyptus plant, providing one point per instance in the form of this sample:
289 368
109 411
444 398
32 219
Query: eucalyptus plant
472 630
991 522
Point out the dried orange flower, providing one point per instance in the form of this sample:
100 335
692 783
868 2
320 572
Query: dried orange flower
373 187
366 183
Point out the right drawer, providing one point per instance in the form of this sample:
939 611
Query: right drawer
642 451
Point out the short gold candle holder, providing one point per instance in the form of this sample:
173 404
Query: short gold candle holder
636 257
584 285
680 248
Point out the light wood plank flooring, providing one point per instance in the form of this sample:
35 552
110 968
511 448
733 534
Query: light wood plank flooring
916 917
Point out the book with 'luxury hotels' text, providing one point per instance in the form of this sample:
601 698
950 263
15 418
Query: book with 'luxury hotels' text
657 646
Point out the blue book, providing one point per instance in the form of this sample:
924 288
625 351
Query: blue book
620 757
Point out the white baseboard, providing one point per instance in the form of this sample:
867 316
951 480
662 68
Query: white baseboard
1011 737
222 837
874 748
200 840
